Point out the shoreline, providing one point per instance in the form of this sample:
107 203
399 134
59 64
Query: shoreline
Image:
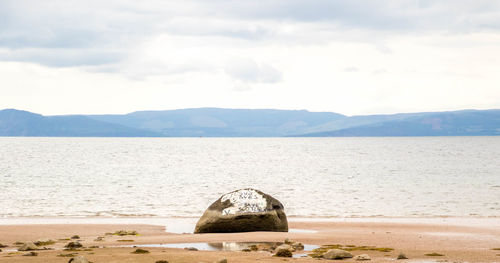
457 240
456 221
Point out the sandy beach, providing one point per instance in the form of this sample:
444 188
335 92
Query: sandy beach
459 242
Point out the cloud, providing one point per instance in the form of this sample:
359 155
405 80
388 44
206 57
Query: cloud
248 71
351 69
69 33
62 57
323 55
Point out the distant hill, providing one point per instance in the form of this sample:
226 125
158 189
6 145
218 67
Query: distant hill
23 123
456 123
216 122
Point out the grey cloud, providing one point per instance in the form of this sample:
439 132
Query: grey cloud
247 70
99 28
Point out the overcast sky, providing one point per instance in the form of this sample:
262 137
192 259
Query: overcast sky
351 57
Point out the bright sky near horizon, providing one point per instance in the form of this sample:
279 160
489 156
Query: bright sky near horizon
351 57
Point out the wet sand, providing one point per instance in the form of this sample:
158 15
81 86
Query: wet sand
457 242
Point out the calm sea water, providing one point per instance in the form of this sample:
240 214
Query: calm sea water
312 177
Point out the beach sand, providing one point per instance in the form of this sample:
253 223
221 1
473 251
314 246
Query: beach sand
458 243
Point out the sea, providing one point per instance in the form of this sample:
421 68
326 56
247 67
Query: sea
406 177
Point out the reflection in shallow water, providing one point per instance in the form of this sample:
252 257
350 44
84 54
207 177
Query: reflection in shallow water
302 255
226 246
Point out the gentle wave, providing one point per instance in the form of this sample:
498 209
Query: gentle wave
312 177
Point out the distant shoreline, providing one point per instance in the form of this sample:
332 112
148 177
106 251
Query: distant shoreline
220 122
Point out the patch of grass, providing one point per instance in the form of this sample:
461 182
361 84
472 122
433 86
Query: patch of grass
64 239
369 248
125 233
44 242
496 248
18 243
125 240
434 254
140 251
2 245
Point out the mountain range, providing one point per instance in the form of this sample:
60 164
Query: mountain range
217 122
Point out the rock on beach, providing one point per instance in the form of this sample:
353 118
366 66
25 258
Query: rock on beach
243 210
337 254
78 259
28 246
362 257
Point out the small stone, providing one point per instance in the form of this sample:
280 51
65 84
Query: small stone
246 250
31 254
99 239
28 246
191 248
362 257
78 259
2 245
285 246
288 241
337 254
298 246
161 261
75 237
221 261
283 253
73 245
402 256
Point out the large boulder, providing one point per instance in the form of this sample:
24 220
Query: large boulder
243 210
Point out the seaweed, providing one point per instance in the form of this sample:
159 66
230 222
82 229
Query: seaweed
140 251
125 233
44 242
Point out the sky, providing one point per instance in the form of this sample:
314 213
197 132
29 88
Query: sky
353 57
